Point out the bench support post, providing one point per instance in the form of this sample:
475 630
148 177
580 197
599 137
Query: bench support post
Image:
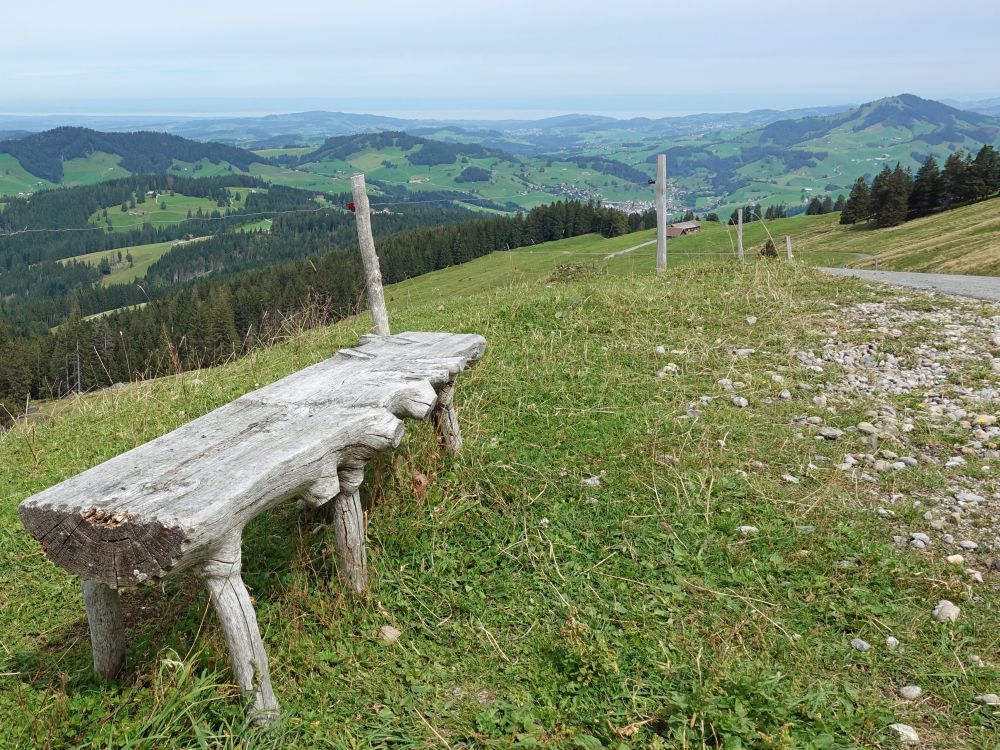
349 530
236 615
446 420
107 628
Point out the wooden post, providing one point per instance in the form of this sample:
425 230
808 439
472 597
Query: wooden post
107 628
446 420
234 610
661 213
739 234
788 247
373 276
349 532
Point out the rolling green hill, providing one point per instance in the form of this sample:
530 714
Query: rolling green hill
537 611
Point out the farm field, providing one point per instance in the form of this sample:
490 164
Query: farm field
536 610
143 256
177 208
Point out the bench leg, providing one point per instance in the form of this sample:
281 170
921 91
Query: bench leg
349 530
107 628
446 420
236 615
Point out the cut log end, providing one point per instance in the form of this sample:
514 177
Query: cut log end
115 549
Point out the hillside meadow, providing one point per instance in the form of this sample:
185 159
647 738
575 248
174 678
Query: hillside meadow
537 611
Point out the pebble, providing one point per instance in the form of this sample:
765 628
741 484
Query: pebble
868 428
975 575
861 645
740 403
968 544
660 350
389 634
945 611
831 433
785 395
748 530
911 692
954 559
906 734
892 643
594 481
751 319
790 479
988 699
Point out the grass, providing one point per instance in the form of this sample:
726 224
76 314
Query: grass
178 207
143 256
535 612
964 240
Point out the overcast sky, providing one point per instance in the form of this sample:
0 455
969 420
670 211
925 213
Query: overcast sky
398 57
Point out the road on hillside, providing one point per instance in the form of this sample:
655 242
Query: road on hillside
979 287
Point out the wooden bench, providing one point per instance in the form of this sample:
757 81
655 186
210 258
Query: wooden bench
181 501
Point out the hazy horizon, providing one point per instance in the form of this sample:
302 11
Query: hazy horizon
448 60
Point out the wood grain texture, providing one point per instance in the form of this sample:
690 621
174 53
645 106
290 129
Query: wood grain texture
168 505
373 274
107 628
234 609
349 531
445 419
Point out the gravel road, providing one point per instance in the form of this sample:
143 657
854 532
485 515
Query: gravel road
980 287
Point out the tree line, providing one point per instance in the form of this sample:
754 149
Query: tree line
211 321
896 195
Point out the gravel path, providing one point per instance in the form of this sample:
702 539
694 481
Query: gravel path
980 287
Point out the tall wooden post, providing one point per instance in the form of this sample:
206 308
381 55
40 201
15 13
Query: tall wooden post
373 276
739 234
788 247
661 213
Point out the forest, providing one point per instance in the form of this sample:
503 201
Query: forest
209 319
896 195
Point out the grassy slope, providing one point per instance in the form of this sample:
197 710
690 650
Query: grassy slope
143 256
966 240
534 612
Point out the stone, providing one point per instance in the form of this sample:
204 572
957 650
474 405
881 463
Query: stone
867 428
751 319
748 530
790 479
389 634
905 734
954 559
891 643
785 395
860 644
740 403
945 611
975 575
988 699
660 350
911 692
968 544
831 433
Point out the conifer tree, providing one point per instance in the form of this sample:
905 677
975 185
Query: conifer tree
926 194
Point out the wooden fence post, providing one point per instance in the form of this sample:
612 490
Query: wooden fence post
788 247
739 233
373 276
661 213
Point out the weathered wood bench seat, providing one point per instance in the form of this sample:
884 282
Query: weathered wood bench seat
181 501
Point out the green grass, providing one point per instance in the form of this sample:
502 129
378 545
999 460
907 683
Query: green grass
535 612
97 167
143 256
177 209
965 240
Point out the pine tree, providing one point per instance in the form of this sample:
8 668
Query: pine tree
827 204
841 201
926 194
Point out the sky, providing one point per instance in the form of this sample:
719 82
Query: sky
467 58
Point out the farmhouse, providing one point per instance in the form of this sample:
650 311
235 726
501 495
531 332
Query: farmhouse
682 228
